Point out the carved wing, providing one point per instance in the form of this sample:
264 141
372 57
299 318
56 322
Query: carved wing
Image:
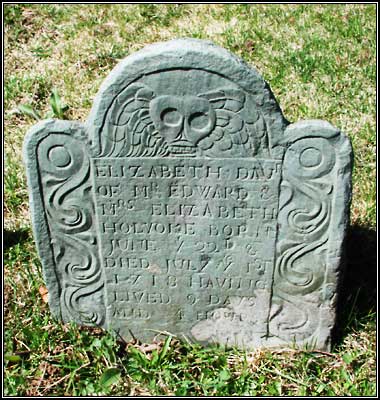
239 129
132 131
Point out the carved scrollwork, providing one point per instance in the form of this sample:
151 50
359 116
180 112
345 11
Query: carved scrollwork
64 171
219 123
306 200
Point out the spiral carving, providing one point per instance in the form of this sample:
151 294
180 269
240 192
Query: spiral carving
65 171
309 158
304 217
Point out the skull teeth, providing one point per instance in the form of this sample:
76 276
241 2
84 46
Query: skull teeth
175 149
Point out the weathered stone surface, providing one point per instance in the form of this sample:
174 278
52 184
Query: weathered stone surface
188 204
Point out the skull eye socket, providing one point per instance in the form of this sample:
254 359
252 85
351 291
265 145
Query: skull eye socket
199 120
171 117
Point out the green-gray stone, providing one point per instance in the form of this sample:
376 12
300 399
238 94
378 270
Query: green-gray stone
188 204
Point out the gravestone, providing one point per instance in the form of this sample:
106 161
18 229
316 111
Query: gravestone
187 204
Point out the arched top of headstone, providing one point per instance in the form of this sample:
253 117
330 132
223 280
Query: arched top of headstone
185 97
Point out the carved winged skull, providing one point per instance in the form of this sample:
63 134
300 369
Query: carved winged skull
144 124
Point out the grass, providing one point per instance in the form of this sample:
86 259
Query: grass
320 61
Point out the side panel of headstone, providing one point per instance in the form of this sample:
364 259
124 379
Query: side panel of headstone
62 210
313 218
188 204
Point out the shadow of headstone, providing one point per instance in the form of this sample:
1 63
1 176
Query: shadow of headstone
357 296
13 237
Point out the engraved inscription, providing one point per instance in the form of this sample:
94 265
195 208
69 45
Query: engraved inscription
188 236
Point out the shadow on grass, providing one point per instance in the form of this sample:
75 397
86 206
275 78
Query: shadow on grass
11 238
357 295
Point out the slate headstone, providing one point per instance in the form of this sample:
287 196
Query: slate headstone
187 204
